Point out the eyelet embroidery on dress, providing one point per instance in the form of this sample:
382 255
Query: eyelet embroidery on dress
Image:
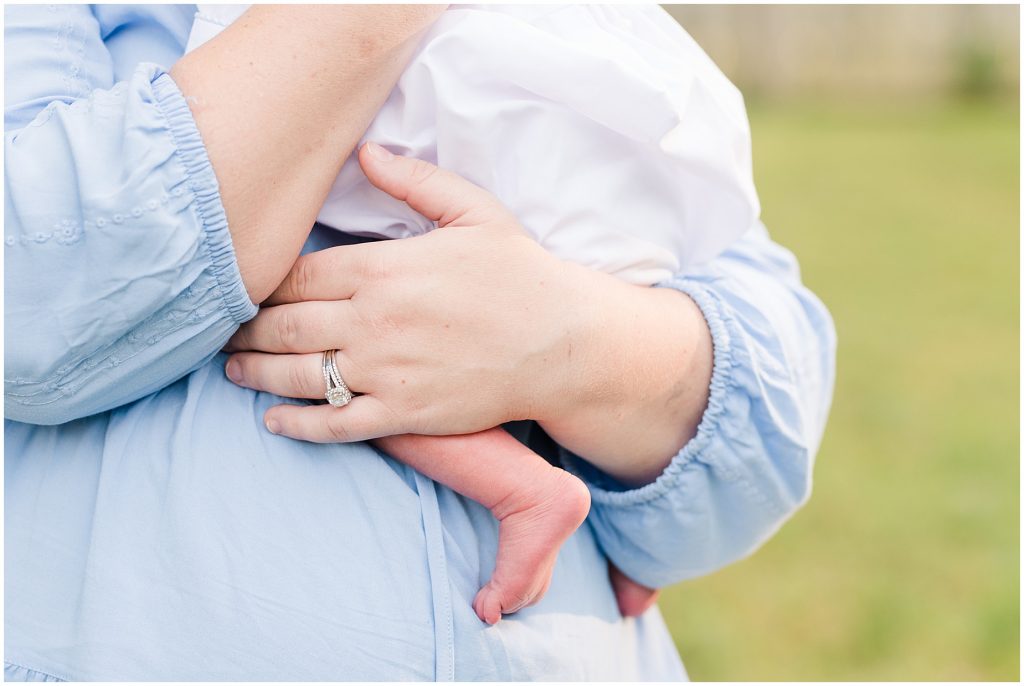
72 49
60 44
199 301
69 231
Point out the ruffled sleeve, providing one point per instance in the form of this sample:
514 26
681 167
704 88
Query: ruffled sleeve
120 273
749 466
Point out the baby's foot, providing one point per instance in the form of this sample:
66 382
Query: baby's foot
534 523
633 599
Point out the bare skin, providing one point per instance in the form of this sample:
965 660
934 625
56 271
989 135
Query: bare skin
538 506
634 599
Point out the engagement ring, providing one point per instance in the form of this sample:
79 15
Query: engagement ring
337 393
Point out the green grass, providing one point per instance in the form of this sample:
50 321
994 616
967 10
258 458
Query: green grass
905 563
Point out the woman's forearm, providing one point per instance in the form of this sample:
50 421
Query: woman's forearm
639 376
281 97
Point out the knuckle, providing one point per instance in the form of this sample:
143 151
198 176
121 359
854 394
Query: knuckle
301 278
288 328
240 339
299 379
412 418
373 266
335 429
392 422
421 176
421 172
378 321
384 325
387 422
380 267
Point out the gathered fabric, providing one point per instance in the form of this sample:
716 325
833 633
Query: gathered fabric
606 130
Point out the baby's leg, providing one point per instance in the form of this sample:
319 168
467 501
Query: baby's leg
538 506
632 597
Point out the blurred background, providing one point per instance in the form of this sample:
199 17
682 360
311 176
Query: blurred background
887 157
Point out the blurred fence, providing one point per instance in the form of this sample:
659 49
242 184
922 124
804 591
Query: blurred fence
861 51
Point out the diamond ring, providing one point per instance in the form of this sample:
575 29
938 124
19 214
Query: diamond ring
337 393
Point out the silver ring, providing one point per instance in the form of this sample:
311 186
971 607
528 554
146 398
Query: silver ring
337 393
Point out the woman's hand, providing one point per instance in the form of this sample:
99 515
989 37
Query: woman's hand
455 331
473 325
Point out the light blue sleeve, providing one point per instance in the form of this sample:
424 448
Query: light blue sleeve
749 466
120 273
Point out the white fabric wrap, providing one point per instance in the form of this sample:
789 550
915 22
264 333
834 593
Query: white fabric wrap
606 130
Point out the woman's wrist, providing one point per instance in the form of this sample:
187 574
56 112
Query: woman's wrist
635 387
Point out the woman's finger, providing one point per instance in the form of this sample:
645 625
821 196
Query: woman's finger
290 376
436 193
364 418
302 327
330 274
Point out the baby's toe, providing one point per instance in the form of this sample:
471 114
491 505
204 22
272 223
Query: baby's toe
487 604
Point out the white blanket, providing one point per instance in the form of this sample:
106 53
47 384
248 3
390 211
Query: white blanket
605 129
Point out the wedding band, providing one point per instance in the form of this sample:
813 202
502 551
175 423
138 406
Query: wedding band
337 393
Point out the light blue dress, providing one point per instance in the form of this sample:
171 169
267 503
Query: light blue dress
156 530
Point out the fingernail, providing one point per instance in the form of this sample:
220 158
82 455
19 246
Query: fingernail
273 427
379 152
234 371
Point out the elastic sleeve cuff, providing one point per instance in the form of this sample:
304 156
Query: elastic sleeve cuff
202 182
607 491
